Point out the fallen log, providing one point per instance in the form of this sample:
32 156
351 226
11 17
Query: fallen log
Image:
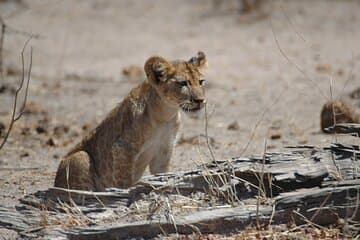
308 184
349 128
323 206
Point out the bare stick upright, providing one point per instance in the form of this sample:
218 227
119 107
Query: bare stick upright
24 78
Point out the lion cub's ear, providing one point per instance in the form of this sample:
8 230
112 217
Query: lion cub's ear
200 61
158 69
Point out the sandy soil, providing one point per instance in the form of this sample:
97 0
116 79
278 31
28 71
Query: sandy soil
254 93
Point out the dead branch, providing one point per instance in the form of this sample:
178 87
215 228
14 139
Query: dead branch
302 71
13 30
303 183
5 28
351 128
23 81
258 122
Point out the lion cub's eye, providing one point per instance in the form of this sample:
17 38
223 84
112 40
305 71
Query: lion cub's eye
202 82
182 83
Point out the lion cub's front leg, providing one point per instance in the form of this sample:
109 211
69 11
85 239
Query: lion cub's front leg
160 162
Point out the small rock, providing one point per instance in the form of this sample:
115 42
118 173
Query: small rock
2 129
340 72
276 125
40 129
34 108
61 130
133 73
275 135
90 125
196 140
72 76
303 141
323 68
24 154
2 88
355 94
343 111
42 125
51 142
85 127
13 70
7 88
233 126
25 131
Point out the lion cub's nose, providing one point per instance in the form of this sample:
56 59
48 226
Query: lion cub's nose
199 100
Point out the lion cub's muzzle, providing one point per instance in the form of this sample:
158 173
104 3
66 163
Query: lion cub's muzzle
195 105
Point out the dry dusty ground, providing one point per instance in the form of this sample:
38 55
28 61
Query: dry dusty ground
254 93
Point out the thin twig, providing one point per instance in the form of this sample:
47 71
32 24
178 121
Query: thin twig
3 26
11 29
8 29
207 136
350 77
225 177
209 145
334 123
15 117
24 33
308 221
356 205
18 168
266 110
261 186
321 206
291 24
332 106
283 53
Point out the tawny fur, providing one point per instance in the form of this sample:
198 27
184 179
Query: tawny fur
140 131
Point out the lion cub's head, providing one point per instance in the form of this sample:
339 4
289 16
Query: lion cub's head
179 83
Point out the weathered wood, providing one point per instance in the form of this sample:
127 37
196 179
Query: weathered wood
111 197
349 128
218 220
323 206
304 168
11 219
48 199
321 184
305 202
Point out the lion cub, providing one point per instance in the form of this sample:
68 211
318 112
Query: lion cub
138 132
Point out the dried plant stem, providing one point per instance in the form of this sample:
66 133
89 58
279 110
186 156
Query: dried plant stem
8 29
321 206
224 176
332 106
303 72
292 25
350 77
261 186
207 135
16 116
2 36
266 110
